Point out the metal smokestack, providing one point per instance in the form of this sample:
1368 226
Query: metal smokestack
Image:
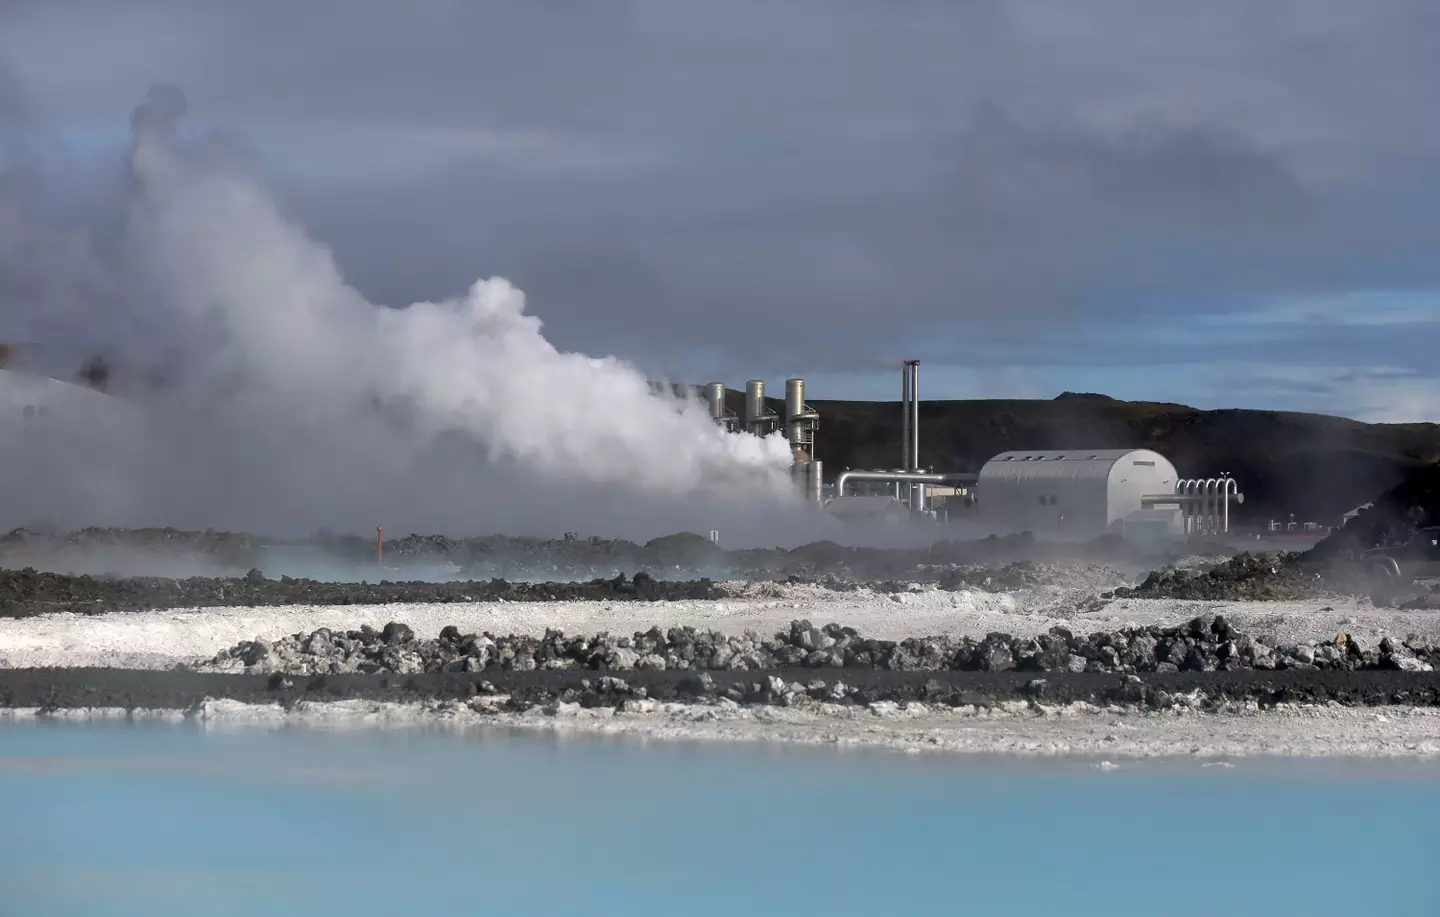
754 405
911 434
715 401
905 417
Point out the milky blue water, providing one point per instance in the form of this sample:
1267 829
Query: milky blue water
160 820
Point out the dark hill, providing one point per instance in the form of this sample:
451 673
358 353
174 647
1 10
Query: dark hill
1312 465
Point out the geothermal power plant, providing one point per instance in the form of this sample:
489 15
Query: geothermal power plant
1074 492
1059 493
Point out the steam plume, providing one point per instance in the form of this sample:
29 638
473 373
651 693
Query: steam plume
297 403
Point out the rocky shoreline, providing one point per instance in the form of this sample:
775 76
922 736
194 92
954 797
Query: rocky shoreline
1205 644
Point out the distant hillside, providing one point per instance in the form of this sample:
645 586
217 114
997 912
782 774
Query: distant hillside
1312 465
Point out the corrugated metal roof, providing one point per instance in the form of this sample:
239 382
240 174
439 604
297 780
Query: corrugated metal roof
1070 463
1069 455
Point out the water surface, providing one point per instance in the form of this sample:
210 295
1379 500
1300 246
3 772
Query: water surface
159 820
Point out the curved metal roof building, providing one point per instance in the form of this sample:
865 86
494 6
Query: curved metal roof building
1069 493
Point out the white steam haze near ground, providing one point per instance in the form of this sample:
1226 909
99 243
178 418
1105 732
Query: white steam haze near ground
294 403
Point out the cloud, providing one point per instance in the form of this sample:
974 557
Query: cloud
12 106
753 188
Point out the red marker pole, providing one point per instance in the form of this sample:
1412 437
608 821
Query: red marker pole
380 545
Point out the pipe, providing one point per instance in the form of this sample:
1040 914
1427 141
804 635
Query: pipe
754 405
917 491
814 481
1227 487
1212 504
1230 487
715 400
1182 488
958 479
914 415
905 416
1170 499
1205 500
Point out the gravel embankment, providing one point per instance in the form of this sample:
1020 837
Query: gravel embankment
159 639
1204 644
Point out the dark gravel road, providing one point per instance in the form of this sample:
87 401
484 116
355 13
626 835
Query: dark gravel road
69 688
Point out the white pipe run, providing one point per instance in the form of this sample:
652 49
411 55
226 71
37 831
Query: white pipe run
1207 503
957 479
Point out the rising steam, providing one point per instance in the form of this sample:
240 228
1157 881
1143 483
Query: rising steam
292 402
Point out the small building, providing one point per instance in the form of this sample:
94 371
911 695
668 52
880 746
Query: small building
1153 524
1345 519
868 509
1075 493
29 402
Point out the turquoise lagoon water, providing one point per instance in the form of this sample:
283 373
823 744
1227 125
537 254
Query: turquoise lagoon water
160 820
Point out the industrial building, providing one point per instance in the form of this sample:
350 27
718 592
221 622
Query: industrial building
1076 493
28 400
1054 494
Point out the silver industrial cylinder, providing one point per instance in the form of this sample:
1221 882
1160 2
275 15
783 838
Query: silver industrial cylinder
715 400
794 407
754 404
814 488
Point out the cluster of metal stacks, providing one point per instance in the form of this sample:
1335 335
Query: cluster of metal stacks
800 422
1052 493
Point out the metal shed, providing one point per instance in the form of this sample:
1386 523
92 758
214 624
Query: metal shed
1074 493
869 509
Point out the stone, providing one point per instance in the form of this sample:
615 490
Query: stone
652 662
396 633
621 659
696 685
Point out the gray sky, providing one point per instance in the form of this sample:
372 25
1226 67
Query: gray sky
1225 204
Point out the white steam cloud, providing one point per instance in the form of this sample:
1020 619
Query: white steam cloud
291 402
